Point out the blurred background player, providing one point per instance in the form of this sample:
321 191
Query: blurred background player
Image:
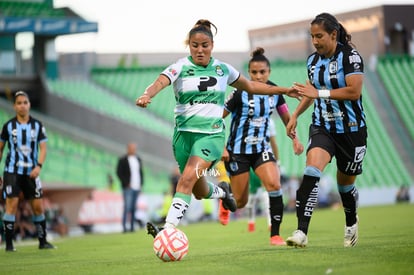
248 145
222 176
130 172
258 199
26 138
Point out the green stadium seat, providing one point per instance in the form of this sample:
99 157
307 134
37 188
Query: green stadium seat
86 94
131 83
397 76
29 9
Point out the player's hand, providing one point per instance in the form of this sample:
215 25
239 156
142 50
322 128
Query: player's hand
307 90
291 127
292 92
35 172
225 156
143 101
297 147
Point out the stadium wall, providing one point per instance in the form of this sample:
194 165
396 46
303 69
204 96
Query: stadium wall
375 31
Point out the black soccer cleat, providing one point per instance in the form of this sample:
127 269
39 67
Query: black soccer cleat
46 245
229 202
10 248
152 229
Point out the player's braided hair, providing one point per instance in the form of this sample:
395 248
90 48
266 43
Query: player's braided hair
330 23
204 26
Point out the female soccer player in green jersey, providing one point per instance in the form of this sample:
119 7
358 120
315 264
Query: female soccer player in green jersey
200 82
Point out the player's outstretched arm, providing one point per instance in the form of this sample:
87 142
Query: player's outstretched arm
152 90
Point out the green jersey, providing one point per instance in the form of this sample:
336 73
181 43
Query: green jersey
200 93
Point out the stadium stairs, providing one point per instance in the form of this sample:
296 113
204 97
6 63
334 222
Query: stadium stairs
390 118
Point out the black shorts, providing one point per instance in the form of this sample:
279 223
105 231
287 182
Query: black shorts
13 184
349 149
241 163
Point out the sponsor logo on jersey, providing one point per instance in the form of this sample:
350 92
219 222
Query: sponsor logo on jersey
257 122
24 164
272 103
359 153
33 134
253 140
25 150
355 59
172 71
219 71
333 67
233 166
330 116
311 72
192 102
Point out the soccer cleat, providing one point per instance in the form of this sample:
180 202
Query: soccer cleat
277 240
351 235
229 202
152 229
298 239
46 245
251 226
224 214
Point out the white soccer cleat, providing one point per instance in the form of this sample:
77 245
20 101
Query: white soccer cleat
298 239
351 235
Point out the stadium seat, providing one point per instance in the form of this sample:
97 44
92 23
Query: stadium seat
397 75
86 94
76 163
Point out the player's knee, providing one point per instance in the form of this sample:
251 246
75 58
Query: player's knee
272 186
198 197
241 202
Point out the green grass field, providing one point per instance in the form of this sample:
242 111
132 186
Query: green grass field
386 246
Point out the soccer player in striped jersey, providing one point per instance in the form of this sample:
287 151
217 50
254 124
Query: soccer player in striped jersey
26 138
257 195
338 128
200 83
248 145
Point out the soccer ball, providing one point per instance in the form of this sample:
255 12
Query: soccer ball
171 244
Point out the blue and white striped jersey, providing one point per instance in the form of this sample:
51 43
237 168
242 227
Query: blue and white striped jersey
23 144
337 116
250 118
